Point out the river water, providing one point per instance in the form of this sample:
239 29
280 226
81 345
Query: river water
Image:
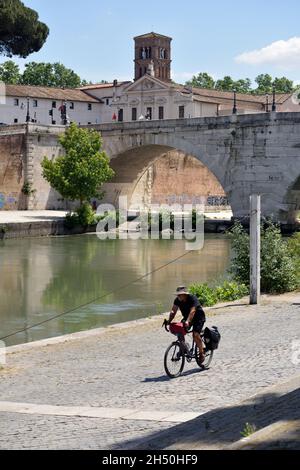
43 277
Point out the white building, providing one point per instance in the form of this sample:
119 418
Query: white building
45 105
151 98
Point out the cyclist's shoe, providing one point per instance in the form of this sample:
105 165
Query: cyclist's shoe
201 358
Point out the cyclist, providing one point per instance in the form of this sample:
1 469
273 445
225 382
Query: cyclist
193 315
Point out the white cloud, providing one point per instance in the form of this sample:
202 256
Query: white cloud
279 53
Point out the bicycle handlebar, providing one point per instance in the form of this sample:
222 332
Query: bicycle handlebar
165 324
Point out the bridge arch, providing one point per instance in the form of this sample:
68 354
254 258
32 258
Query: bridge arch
134 164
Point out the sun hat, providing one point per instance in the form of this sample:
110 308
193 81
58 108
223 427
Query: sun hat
181 290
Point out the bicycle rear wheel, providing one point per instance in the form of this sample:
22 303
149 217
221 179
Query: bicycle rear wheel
208 358
174 360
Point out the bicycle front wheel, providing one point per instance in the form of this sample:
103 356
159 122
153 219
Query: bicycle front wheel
174 360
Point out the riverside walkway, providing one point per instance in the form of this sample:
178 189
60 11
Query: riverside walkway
107 389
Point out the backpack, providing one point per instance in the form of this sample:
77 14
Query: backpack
212 338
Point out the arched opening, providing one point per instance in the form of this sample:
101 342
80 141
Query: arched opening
156 174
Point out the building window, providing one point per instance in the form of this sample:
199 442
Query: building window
107 101
72 105
120 115
53 104
145 53
16 120
35 103
16 101
141 72
90 107
181 112
89 123
149 114
161 112
53 122
134 114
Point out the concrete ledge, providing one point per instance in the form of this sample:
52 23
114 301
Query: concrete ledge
41 229
280 435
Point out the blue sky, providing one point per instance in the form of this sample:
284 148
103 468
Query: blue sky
95 37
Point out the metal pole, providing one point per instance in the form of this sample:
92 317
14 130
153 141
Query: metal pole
255 213
234 111
28 114
267 103
274 100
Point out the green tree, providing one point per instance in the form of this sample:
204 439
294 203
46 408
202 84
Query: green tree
226 84
202 80
80 173
21 32
243 85
265 84
9 72
283 85
51 75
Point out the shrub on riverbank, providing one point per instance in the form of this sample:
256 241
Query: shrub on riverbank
293 245
228 291
83 216
278 263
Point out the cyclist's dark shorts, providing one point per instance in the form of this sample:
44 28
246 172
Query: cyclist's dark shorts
198 325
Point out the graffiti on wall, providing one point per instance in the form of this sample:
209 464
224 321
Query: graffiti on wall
188 199
217 201
8 202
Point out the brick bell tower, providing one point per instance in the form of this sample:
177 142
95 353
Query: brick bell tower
153 53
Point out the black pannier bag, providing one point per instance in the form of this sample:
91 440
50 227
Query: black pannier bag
212 338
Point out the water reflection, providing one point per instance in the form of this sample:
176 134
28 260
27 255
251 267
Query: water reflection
43 277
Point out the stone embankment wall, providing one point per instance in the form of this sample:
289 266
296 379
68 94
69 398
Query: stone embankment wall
12 170
21 152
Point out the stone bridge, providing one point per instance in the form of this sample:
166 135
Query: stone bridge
254 153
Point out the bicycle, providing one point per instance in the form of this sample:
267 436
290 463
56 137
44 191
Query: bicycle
178 352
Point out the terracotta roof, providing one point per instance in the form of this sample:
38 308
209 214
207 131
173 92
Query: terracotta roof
152 35
101 85
223 96
49 93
